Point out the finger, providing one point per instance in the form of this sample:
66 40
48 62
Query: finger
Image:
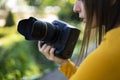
43 47
52 54
47 49
46 52
39 47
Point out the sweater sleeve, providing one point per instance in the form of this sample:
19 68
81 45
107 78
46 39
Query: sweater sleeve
68 69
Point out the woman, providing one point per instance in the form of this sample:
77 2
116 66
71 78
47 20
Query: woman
103 63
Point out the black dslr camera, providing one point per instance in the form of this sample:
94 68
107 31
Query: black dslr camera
59 34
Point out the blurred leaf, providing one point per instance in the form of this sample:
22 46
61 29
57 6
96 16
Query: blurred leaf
10 19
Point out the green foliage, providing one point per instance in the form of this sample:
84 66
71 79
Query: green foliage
35 3
10 19
67 13
6 31
40 3
51 2
19 58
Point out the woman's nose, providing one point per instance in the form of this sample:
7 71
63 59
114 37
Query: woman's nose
76 8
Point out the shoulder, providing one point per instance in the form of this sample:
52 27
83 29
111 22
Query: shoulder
111 39
113 34
104 59
108 51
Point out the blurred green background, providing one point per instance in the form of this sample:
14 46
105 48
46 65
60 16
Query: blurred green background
20 59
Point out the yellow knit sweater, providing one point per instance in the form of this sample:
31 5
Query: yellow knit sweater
102 64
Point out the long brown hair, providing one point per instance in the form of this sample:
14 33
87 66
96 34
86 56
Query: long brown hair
100 12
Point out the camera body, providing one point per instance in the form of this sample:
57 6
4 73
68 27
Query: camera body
58 34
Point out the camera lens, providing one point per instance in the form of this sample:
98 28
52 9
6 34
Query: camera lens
58 34
34 29
44 31
39 30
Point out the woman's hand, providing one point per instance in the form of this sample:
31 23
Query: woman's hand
48 52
